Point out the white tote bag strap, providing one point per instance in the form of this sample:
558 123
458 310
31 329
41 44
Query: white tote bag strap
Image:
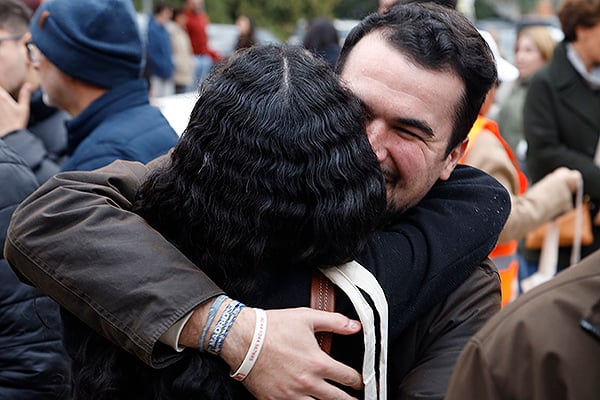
549 252
349 278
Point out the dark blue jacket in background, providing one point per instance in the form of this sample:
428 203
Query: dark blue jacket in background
120 125
160 55
33 364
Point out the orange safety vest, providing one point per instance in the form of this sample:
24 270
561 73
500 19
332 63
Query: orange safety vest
504 255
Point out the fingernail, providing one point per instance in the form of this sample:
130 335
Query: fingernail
354 324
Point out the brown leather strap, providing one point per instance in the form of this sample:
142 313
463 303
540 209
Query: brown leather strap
322 297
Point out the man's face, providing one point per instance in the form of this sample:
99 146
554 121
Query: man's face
51 80
13 63
411 117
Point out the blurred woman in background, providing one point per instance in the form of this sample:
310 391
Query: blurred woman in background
533 48
246 36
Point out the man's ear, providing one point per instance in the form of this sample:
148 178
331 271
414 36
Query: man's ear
452 159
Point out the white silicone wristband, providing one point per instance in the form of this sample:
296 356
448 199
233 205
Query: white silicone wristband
260 329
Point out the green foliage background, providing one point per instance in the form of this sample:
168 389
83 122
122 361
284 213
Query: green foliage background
280 16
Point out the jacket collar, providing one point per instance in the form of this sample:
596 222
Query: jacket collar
120 98
39 111
573 89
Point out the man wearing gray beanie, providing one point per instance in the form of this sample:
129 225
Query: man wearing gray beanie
89 54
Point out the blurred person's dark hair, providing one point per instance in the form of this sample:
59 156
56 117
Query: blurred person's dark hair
160 7
322 39
435 38
14 16
575 13
177 11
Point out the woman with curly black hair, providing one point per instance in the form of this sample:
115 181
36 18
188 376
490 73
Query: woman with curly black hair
273 178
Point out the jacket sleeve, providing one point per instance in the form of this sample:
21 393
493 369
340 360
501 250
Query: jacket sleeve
435 342
76 241
33 151
70 266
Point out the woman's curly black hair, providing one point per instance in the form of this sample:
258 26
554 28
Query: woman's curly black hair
274 171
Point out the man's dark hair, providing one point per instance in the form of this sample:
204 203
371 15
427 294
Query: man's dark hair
445 3
436 38
14 16
274 173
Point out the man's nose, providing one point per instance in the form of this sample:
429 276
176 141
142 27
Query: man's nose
376 133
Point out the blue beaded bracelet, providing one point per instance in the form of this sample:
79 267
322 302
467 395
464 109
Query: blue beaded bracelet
211 316
217 338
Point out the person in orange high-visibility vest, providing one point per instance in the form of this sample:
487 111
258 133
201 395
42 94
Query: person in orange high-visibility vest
531 207
504 254
551 196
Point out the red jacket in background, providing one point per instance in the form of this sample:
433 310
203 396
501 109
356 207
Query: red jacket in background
197 21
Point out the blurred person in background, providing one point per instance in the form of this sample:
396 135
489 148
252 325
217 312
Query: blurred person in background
197 23
95 76
530 206
33 363
246 32
159 52
183 54
533 48
322 40
34 130
561 117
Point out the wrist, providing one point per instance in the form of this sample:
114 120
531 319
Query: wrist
258 339
190 334
239 338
